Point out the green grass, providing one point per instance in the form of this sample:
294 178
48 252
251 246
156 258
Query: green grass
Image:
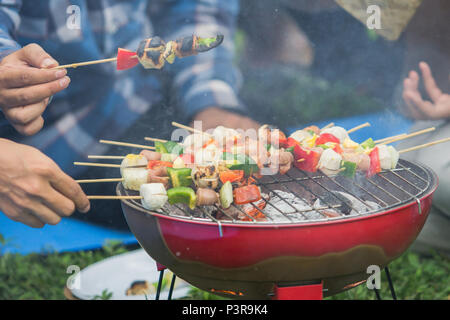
43 276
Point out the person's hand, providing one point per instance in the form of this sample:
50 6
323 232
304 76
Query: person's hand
33 189
214 117
26 87
420 109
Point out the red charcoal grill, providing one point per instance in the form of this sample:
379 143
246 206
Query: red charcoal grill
307 259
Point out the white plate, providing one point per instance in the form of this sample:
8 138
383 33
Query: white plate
116 274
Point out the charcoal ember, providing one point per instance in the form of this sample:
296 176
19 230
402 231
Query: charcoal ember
349 205
337 198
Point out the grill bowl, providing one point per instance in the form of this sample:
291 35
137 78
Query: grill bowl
247 260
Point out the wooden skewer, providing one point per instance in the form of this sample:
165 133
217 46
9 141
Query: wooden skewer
331 124
100 180
424 145
105 157
154 139
389 138
126 144
182 126
409 135
114 197
86 63
359 127
121 197
94 164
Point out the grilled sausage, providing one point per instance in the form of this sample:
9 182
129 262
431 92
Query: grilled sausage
286 160
206 197
151 155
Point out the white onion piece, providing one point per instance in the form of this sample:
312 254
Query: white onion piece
133 160
338 132
385 157
133 178
330 161
301 135
394 156
154 195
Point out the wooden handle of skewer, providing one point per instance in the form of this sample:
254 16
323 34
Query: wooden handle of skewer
94 164
359 127
390 138
100 180
114 197
105 157
331 124
85 63
182 126
424 145
409 135
154 139
126 144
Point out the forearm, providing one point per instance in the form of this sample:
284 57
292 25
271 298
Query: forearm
9 22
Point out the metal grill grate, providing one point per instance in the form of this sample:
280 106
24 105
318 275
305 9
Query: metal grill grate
386 190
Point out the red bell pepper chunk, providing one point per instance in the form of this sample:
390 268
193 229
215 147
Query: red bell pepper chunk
288 143
246 194
306 160
126 59
337 148
158 163
327 137
374 166
231 175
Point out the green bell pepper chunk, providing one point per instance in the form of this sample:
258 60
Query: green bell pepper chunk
180 177
160 147
350 169
368 144
240 162
173 147
323 146
168 147
182 195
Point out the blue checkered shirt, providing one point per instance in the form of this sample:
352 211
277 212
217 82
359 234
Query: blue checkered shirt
100 101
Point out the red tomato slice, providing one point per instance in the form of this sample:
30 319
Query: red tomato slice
126 59
375 166
290 142
157 163
246 194
306 160
327 137
231 175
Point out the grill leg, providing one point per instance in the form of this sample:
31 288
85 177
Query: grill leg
172 285
377 294
158 290
391 285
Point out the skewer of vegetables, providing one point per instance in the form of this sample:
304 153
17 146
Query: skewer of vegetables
153 52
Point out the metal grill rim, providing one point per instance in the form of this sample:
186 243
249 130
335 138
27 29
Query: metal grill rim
412 168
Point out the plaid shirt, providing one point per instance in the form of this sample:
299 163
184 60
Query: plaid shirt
100 101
